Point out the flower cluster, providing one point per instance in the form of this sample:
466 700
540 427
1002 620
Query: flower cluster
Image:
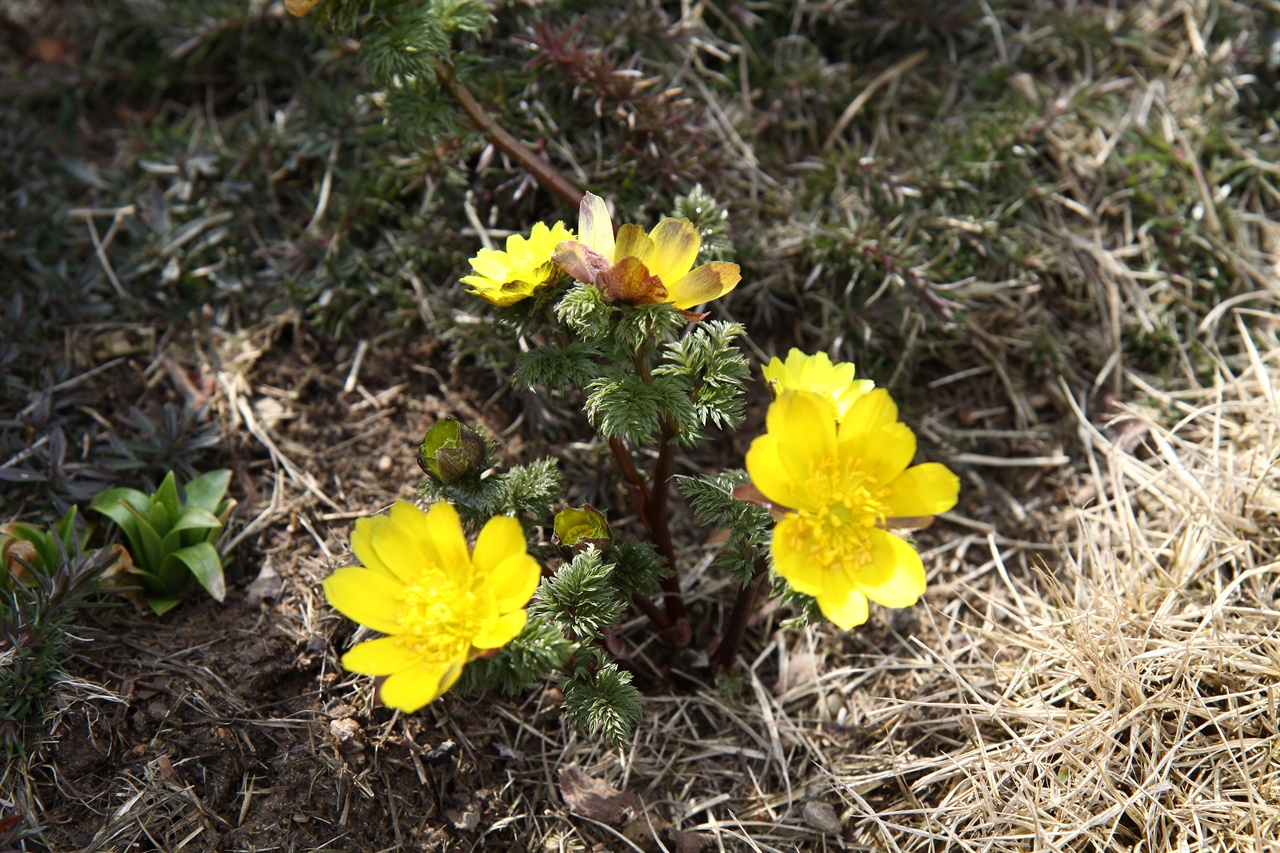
634 268
834 462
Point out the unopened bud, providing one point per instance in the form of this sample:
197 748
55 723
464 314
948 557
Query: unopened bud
450 451
578 528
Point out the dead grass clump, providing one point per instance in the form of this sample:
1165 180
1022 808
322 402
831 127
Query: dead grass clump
1128 700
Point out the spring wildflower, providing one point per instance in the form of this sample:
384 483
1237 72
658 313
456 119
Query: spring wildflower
439 605
300 7
838 484
833 382
643 269
504 278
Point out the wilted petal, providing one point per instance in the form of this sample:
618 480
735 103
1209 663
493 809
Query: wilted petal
580 261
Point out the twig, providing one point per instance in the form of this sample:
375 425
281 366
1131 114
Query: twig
542 171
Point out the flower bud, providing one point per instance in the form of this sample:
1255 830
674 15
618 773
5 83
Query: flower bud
578 528
450 451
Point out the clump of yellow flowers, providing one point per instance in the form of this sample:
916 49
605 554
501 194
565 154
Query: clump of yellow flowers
834 469
836 462
634 268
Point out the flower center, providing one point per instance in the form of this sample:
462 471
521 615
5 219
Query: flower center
848 503
439 618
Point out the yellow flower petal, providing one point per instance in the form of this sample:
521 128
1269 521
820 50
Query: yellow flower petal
398 545
846 607
382 656
769 475
501 631
362 545
444 529
633 243
500 538
794 561
886 451
675 248
707 282
514 581
411 689
896 578
805 431
921 490
367 597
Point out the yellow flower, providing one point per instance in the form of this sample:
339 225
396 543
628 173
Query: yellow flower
839 483
300 7
439 605
832 382
643 269
504 278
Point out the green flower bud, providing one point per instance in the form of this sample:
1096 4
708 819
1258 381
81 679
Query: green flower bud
450 451
578 528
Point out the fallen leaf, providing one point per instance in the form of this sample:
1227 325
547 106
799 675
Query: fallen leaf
593 798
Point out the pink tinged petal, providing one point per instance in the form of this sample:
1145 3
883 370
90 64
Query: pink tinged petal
707 282
411 689
675 248
794 561
382 656
896 577
580 261
366 597
513 582
921 490
595 228
444 530
501 631
362 544
628 281
846 607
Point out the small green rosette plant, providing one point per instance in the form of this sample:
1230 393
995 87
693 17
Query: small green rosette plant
171 535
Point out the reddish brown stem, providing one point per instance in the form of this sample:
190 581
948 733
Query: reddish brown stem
659 529
542 171
748 596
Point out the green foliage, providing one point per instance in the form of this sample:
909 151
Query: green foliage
36 618
557 368
408 47
602 703
581 597
40 552
715 372
638 568
750 525
621 404
171 537
585 311
526 492
712 222
522 664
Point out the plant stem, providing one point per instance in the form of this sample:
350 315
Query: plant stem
659 529
742 610
542 171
